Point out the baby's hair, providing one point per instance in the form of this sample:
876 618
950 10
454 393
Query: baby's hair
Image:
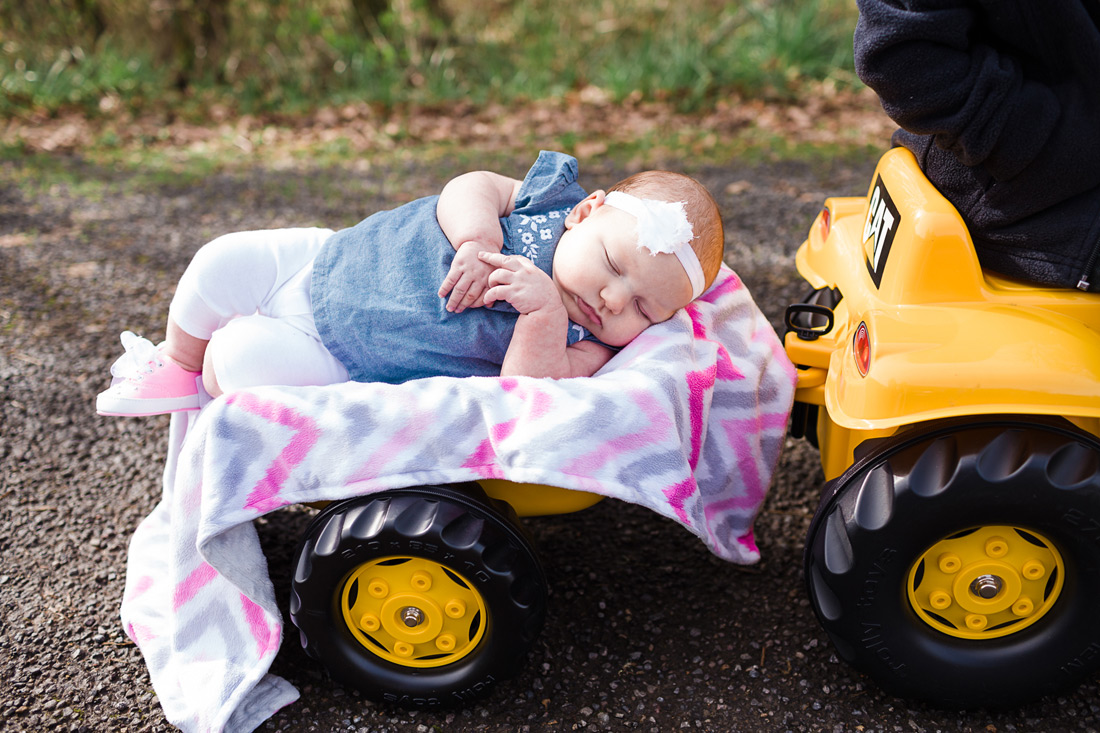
706 221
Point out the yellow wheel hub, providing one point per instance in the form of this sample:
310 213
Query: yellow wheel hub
412 611
985 583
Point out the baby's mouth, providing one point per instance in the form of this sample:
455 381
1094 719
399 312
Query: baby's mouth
589 311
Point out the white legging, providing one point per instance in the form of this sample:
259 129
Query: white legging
247 293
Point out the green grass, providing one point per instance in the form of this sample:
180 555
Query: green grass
285 57
103 172
35 80
288 59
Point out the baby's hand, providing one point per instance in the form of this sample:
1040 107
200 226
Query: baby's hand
468 278
517 280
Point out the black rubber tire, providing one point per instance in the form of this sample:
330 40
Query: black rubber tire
457 526
905 495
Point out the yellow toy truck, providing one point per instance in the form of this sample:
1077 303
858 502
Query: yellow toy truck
955 554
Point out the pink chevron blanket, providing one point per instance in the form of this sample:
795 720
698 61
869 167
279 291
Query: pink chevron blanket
687 420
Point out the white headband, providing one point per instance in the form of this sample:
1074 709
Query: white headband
663 226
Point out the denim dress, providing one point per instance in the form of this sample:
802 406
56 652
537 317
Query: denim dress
375 285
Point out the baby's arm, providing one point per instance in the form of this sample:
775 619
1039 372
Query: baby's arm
538 347
469 211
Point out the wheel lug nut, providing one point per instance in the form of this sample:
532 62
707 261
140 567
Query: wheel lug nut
421 581
975 621
949 563
1033 570
412 616
940 600
996 547
986 586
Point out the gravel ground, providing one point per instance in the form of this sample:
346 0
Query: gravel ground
646 630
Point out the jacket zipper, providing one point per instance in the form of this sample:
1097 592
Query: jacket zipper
1083 283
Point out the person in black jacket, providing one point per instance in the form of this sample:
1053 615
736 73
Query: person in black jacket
999 100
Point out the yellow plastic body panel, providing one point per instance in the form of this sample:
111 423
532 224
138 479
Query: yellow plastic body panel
838 444
536 500
946 339
529 500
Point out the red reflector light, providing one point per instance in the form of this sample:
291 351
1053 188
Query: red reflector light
826 222
861 349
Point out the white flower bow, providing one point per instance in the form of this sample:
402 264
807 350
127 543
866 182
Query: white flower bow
140 352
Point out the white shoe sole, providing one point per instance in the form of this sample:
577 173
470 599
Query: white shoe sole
112 406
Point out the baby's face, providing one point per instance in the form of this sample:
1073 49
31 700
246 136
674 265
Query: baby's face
607 283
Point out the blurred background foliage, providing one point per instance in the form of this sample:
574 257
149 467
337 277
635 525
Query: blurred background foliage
180 57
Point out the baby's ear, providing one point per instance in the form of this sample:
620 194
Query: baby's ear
585 208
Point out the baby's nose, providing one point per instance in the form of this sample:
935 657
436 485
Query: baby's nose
615 298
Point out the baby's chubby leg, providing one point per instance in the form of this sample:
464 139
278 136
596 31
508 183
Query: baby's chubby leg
183 348
257 350
235 275
240 274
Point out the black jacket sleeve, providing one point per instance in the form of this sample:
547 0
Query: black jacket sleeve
1001 85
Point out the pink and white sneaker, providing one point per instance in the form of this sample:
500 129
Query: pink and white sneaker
145 382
